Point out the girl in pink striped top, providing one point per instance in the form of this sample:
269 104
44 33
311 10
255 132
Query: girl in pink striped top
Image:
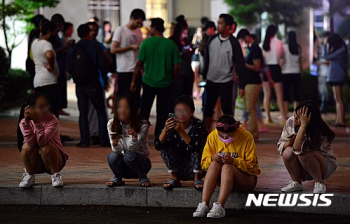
39 141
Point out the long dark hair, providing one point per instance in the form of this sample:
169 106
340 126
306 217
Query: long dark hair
293 46
336 42
317 130
135 119
181 24
30 101
270 32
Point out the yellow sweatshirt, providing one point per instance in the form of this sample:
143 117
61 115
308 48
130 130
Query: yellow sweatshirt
243 145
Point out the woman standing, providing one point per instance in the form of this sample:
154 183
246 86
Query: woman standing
273 52
183 84
338 57
128 134
305 146
181 144
39 141
291 70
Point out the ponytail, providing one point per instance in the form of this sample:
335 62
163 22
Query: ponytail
270 32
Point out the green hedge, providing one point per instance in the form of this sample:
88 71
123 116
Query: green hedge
15 88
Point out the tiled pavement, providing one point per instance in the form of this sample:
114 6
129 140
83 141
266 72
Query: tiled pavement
89 166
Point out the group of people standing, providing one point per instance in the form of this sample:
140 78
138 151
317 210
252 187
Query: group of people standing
190 149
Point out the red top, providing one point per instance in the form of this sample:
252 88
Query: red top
42 133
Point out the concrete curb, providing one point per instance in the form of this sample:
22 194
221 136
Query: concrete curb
141 197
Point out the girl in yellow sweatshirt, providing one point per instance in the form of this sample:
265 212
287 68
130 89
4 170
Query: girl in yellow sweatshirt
229 156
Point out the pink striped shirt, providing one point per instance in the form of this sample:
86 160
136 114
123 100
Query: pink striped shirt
42 133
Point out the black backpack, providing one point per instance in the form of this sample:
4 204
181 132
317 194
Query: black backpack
82 67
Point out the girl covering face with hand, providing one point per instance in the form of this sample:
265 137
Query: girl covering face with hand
39 141
305 146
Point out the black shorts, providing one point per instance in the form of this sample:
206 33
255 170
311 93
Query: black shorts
291 82
335 83
276 73
64 161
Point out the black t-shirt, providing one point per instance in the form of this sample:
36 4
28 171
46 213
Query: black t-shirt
254 53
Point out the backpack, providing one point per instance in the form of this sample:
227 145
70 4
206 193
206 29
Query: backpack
82 67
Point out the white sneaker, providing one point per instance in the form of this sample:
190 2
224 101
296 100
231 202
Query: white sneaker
202 210
292 186
319 188
56 179
27 180
216 212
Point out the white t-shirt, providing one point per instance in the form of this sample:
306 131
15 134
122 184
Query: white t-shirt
126 61
42 76
291 62
273 56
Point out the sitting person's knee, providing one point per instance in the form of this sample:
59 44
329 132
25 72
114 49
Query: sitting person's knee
288 154
113 157
129 156
27 149
304 157
229 168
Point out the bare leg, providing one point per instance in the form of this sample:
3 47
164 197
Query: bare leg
279 96
196 80
51 157
233 178
315 164
226 183
267 98
31 159
286 107
210 182
292 164
337 90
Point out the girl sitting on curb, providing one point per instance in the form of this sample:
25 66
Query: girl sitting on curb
181 144
128 135
230 159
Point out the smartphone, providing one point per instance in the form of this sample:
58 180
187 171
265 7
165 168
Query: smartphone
171 115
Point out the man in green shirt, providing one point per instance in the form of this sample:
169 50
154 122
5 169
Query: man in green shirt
159 57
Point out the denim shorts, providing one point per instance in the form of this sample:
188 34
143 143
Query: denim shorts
330 170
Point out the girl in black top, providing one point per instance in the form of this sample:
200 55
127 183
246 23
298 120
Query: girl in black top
181 144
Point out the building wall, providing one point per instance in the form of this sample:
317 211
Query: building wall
126 6
73 11
193 10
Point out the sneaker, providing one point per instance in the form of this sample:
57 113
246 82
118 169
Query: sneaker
216 212
201 211
56 179
319 188
27 180
292 186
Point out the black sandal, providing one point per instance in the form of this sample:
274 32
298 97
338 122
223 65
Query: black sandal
115 182
172 184
198 182
146 180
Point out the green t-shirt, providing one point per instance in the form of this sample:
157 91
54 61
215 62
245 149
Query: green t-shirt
159 56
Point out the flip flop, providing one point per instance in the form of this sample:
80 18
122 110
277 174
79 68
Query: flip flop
198 182
115 182
146 180
172 184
